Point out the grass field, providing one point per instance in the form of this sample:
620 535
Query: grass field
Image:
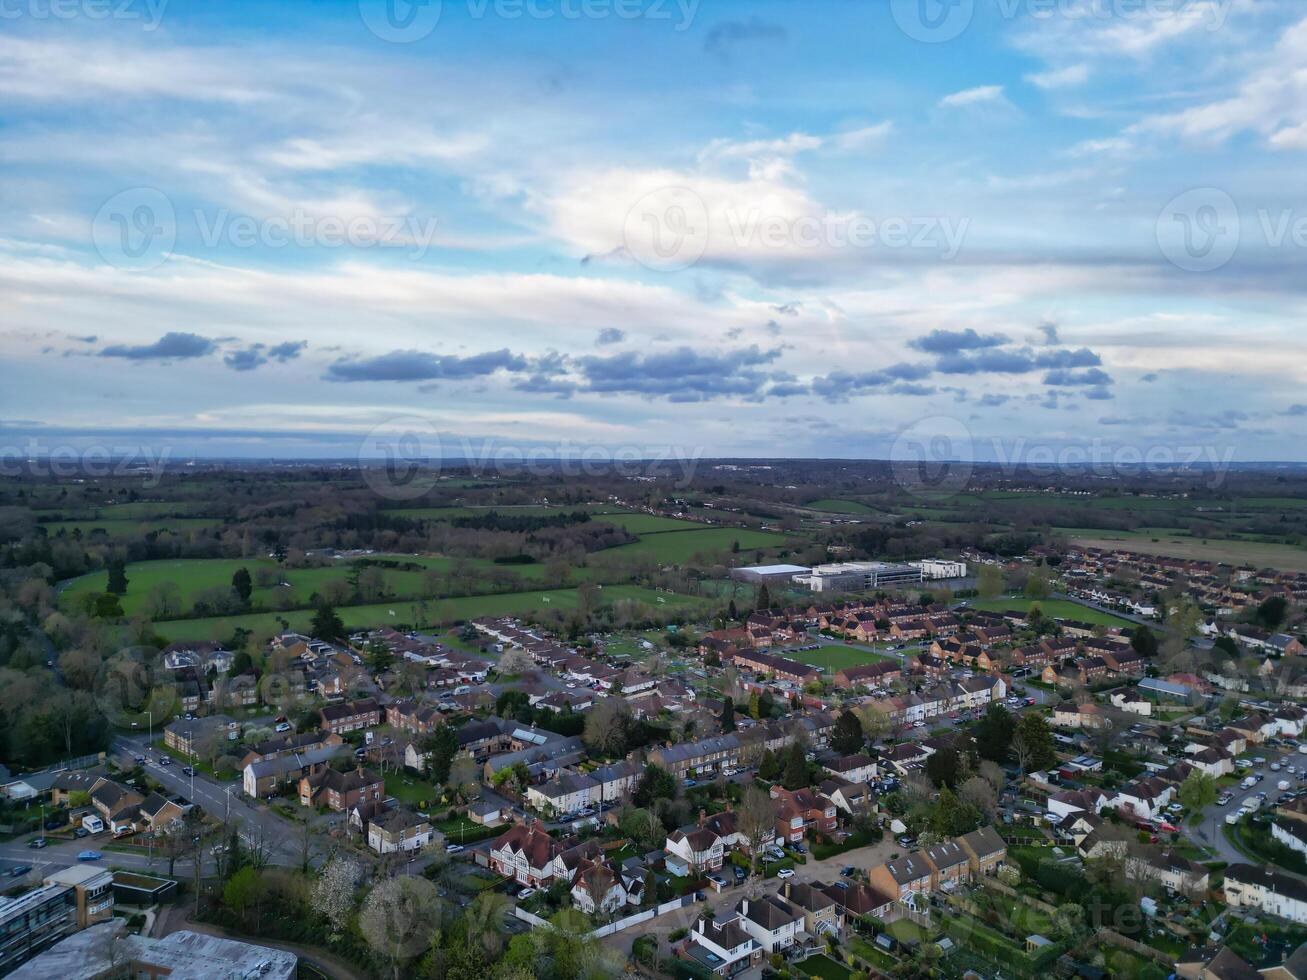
840 507
648 523
1056 608
118 528
674 547
433 612
834 657
1284 556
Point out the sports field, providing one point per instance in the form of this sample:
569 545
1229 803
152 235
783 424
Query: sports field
1053 608
834 657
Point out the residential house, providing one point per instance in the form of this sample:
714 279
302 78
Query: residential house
566 793
985 849
860 768
339 791
902 876
694 851
190 736
1145 797
1172 870
800 811
398 830
351 716
599 886
528 855
1267 889
857 901
723 947
822 915
950 864
266 777
773 922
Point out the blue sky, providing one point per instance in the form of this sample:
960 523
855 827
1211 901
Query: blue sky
774 228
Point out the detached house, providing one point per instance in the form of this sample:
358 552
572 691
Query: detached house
697 850
725 947
339 791
801 810
770 920
398 830
528 855
821 913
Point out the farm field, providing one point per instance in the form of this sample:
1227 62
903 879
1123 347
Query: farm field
840 507
1286 556
122 527
140 510
834 657
673 547
1056 608
431 612
521 510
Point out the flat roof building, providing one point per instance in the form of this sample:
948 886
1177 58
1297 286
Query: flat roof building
859 576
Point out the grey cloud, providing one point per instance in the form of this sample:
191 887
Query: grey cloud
1061 378
993 401
952 341
840 385
1022 360
170 346
610 335
680 375
256 355
1295 410
1049 330
412 365
1149 378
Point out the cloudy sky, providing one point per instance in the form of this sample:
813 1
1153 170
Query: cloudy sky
786 227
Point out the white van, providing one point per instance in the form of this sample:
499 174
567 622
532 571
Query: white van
93 824
462 689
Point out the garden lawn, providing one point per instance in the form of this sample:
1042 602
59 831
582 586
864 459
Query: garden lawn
406 789
824 967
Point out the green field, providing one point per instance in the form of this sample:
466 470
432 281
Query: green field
120 528
840 507
520 510
835 657
675 547
1055 608
432 612
648 523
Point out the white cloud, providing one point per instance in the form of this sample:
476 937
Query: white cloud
981 94
1060 77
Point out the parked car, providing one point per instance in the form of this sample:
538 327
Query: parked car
38 843
21 870
453 848
89 855
81 832
283 727
525 893
164 760
785 873
848 871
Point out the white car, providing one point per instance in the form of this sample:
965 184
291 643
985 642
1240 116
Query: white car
785 873
525 893
283 727
453 848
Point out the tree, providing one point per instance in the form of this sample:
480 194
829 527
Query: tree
655 783
117 577
379 656
796 768
440 748
1271 612
569 950
515 661
756 820
732 613
399 919
1039 584
1197 793
728 716
484 922
327 624
978 792
944 767
244 893
333 892
764 598
769 768
847 739
243 585
1033 743
989 581
643 826
994 733
951 816
105 605
608 727
1143 641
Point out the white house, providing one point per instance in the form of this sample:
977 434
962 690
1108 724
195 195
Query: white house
1263 888
1291 833
566 793
723 947
1146 797
1074 801
1131 702
1172 870
597 887
771 920
694 851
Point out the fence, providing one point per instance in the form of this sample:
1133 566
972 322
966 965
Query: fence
619 924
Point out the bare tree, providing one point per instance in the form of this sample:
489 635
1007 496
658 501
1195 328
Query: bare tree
333 892
515 661
979 793
756 818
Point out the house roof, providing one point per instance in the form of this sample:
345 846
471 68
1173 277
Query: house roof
984 842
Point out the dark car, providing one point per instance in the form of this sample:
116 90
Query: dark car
848 871
21 870
188 771
81 832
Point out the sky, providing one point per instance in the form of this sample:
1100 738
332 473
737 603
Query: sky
1032 229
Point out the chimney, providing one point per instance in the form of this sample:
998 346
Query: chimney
703 817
